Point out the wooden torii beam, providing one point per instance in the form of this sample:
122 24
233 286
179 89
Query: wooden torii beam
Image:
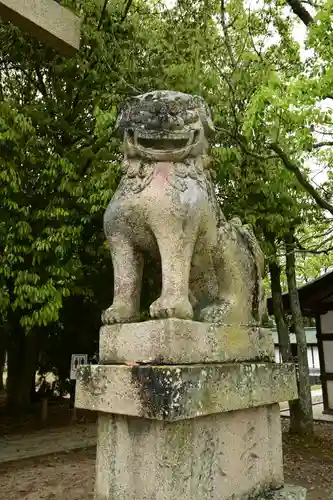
46 20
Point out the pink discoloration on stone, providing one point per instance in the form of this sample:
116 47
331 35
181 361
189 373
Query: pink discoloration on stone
162 170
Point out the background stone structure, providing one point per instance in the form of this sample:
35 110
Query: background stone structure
46 20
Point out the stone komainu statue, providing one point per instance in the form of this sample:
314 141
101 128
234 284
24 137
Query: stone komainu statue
166 206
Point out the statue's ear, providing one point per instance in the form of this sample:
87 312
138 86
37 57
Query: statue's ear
124 113
205 116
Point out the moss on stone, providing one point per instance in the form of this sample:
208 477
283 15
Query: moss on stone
84 374
178 392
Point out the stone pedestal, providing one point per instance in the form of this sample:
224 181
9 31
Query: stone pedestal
187 411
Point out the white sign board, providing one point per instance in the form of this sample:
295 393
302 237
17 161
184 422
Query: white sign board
76 361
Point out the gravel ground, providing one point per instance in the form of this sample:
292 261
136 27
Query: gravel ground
70 476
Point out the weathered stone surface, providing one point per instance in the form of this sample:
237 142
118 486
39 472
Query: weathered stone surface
179 341
185 391
165 205
46 20
230 455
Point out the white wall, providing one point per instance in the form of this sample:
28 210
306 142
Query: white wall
313 357
328 355
316 357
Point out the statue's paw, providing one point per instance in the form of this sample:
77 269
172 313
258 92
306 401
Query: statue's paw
170 307
119 313
215 313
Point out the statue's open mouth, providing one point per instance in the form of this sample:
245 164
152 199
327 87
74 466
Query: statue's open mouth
158 143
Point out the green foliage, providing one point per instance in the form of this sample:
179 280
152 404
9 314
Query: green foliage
60 153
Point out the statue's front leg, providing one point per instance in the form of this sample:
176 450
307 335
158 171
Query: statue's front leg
176 248
127 270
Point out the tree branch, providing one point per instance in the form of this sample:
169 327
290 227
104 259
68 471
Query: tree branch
315 251
240 141
292 167
318 145
300 11
126 11
41 84
226 34
102 14
316 236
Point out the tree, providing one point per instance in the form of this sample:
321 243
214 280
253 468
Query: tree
249 77
2 356
60 159
59 168
50 196
291 108
269 198
304 407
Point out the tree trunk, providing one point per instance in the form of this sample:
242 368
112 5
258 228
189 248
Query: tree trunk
283 330
22 362
304 423
2 367
280 319
3 348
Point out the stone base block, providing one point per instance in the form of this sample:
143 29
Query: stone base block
177 341
183 391
218 457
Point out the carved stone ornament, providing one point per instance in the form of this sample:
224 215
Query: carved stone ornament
165 205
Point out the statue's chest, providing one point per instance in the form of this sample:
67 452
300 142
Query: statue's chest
138 175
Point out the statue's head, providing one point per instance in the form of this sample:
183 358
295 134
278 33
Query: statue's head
165 126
